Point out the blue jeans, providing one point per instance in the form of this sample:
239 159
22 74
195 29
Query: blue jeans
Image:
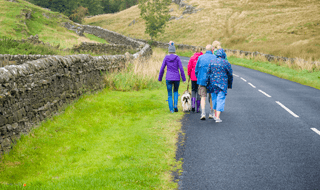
175 86
218 101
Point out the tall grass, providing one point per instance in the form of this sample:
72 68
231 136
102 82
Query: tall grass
9 46
137 75
298 64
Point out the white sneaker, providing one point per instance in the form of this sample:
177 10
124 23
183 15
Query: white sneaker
203 115
211 115
214 117
218 120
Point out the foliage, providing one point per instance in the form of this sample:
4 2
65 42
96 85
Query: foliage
156 15
94 7
9 46
79 14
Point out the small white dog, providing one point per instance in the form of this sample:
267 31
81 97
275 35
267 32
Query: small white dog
186 101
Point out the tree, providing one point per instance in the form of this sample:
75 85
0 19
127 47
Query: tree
79 14
156 15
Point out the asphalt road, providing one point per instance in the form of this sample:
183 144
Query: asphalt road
269 137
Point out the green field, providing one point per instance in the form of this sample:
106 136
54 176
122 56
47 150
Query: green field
15 23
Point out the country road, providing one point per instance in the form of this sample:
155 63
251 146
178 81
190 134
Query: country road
269 137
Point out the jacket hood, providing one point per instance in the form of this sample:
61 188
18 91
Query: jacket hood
221 53
198 54
171 57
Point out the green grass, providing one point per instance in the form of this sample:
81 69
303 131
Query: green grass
109 140
46 24
95 38
112 140
300 76
184 53
8 46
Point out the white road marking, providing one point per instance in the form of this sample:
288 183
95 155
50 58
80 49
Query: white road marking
315 130
265 93
251 85
235 75
284 107
244 79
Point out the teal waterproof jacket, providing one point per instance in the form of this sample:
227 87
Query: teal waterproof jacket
202 67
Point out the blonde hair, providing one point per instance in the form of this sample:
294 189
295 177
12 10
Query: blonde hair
209 47
216 45
198 49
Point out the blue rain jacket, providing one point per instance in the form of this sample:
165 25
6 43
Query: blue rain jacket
202 67
219 76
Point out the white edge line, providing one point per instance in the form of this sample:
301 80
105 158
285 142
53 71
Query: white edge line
251 85
244 79
315 130
265 93
235 75
284 107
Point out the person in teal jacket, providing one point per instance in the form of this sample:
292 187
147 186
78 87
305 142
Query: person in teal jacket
201 74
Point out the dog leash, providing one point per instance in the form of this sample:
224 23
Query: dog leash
188 84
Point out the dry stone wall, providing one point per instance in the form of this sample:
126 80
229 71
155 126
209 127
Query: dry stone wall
103 48
31 92
40 85
8 59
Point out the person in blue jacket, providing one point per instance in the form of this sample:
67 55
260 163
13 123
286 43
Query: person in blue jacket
219 78
201 74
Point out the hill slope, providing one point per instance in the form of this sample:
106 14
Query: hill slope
20 19
288 28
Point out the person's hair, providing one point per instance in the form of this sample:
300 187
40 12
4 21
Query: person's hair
216 45
209 47
198 49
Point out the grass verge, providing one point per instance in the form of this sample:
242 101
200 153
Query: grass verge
306 74
110 140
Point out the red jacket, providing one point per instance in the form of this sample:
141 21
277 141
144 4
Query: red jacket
192 66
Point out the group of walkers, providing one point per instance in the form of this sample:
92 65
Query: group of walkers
210 74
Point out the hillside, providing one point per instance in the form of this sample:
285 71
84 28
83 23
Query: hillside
288 28
20 19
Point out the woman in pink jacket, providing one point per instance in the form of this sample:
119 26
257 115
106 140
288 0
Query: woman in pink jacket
191 72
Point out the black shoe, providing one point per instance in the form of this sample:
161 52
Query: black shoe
175 109
193 109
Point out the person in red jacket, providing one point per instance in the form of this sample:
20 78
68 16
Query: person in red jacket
191 72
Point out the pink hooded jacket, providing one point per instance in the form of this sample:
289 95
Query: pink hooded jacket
192 66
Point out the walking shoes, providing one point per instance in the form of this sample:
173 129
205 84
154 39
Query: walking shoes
203 115
211 115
